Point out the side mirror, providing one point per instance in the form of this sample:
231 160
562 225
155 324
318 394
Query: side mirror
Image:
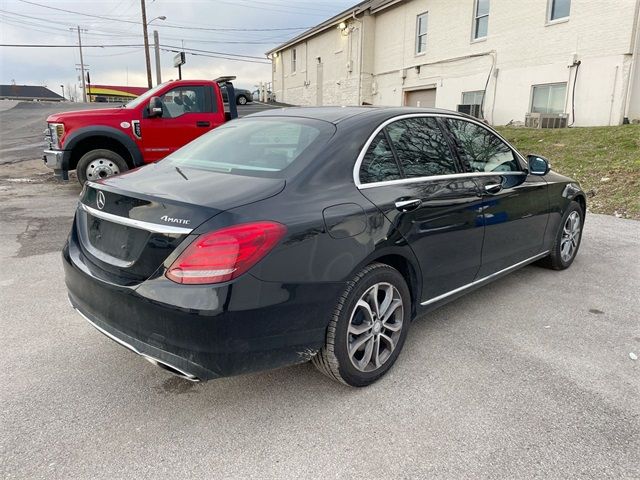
155 107
538 165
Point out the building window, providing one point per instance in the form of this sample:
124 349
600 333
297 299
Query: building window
559 9
294 58
472 98
548 98
421 33
481 19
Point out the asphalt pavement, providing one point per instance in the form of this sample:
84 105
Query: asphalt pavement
529 377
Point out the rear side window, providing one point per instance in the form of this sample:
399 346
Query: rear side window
421 147
480 149
378 164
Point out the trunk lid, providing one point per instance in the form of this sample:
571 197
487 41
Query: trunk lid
128 225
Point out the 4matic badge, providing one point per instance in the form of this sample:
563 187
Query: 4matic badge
181 221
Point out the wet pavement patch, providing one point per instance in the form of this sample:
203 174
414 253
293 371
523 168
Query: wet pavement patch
42 235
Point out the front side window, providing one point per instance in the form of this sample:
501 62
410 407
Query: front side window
481 19
548 98
472 98
379 164
421 147
421 33
294 59
181 100
480 149
559 9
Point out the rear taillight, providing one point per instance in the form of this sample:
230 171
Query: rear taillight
225 254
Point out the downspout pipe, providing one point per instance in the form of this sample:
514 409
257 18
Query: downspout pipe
360 58
635 64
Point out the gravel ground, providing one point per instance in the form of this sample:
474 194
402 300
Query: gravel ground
528 377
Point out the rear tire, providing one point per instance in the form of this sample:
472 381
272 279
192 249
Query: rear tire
567 242
368 327
99 163
241 100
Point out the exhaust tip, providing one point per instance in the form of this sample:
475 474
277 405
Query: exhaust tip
171 369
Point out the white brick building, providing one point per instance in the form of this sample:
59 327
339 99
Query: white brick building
512 57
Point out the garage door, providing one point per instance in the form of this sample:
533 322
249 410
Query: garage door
421 98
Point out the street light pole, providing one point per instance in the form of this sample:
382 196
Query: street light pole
156 42
62 87
146 42
84 89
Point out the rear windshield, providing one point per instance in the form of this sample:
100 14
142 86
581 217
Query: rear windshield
263 146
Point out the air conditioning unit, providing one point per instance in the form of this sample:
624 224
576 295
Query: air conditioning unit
474 110
546 120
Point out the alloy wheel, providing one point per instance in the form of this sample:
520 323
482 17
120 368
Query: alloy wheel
375 327
570 236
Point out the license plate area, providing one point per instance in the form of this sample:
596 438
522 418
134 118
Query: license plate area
118 241
109 242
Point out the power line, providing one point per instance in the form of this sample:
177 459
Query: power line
177 50
183 27
169 48
121 34
43 45
217 53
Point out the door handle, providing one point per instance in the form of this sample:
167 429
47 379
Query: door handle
202 123
493 188
407 205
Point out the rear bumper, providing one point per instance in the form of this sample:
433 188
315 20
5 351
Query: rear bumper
175 365
205 332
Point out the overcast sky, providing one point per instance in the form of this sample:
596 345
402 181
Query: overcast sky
22 22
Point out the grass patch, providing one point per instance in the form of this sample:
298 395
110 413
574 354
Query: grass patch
605 160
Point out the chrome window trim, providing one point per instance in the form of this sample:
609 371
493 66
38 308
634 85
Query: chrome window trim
436 177
363 152
484 279
130 222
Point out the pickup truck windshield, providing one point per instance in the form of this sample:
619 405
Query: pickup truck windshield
258 145
145 96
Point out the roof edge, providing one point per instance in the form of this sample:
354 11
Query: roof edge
321 27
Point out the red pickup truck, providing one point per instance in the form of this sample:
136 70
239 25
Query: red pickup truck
105 142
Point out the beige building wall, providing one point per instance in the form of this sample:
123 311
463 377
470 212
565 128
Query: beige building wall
376 61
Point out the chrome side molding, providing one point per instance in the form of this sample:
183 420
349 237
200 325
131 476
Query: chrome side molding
485 279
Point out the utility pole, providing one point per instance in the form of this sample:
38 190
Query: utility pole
84 90
146 42
156 41
62 87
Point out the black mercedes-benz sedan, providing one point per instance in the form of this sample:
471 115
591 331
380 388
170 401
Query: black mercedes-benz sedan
311 234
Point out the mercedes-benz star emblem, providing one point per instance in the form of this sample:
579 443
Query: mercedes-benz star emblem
100 201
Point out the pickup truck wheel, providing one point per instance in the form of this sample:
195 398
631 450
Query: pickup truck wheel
98 164
241 100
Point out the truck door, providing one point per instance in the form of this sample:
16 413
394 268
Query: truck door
188 111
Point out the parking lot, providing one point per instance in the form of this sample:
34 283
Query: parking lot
530 376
